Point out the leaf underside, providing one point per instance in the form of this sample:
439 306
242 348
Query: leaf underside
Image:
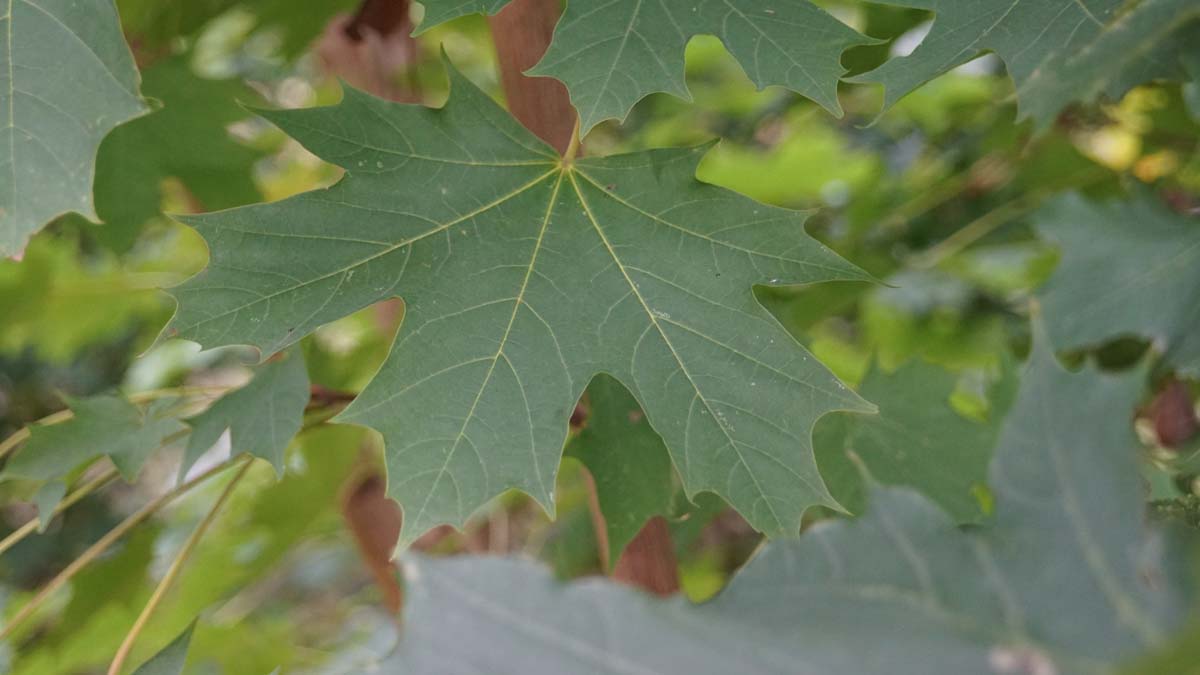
1065 579
66 79
522 279
612 55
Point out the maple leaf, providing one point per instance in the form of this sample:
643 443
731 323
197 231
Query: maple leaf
1066 578
523 276
66 79
612 55
917 439
1057 51
261 417
1127 268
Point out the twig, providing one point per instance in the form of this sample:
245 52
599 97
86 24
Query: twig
98 548
176 567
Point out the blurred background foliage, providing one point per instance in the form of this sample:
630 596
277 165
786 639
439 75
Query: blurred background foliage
935 199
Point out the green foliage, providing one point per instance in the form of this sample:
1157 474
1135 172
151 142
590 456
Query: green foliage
106 425
612 59
68 79
599 265
628 461
261 417
1144 261
917 439
1057 52
555 351
1065 578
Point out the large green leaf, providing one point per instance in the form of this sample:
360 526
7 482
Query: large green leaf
1057 51
261 417
102 425
611 56
628 462
66 79
523 277
1127 268
917 439
1066 579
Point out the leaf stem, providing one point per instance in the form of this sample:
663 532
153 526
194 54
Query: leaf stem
84 490
103 544
173 572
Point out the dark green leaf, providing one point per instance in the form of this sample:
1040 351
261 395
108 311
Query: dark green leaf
261 417
917 439
522 279
1127 268
628 461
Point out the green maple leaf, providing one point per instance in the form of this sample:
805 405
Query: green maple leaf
187 139
917 439
102 425
261 417
524 276
66 79
1127 268
611 56
1066 578
1057 51
628 462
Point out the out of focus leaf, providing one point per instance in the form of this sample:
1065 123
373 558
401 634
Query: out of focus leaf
1057 51
103 425
1127 268
918 440
171 659
261 417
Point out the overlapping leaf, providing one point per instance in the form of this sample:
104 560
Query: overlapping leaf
917 440
1065 580
612 55
102 425
627 460
261 417
1127 268
66 79
523 277
187 139
1057 51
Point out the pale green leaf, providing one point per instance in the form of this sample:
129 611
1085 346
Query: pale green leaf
102 425
522 279
610 56
631 468
1066 579
1056 51
261 417
917 439
66 79
1127 268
